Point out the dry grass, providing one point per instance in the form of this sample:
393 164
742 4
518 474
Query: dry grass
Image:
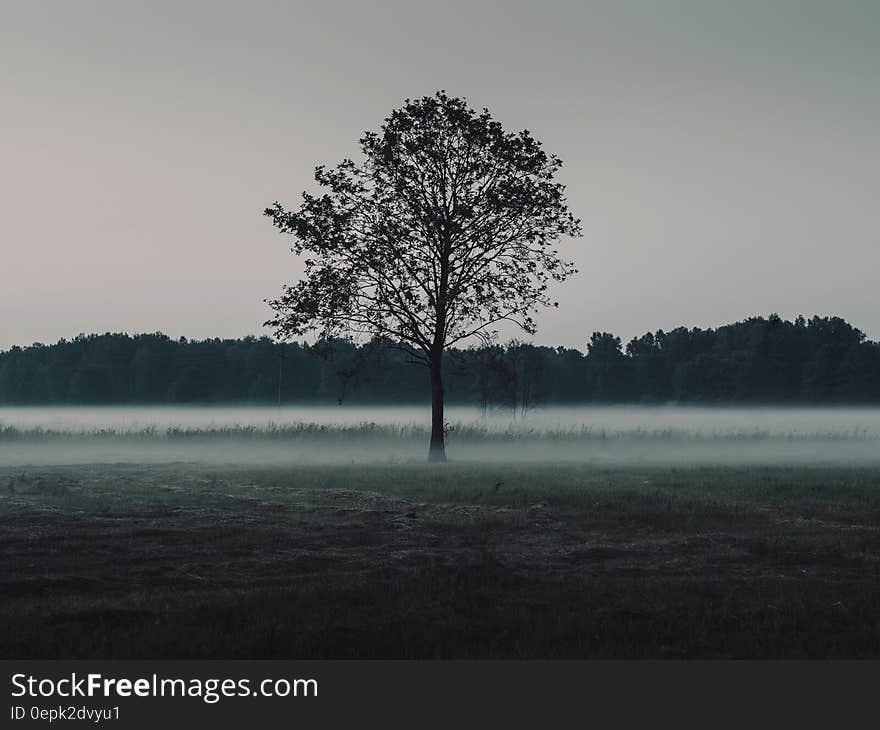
461 560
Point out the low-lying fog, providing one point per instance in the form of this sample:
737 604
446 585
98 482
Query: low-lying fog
688 419
618 435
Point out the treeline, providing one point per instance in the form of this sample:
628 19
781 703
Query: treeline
820 360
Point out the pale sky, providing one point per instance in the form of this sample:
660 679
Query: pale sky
723 156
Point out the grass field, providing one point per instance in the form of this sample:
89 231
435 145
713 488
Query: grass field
459 560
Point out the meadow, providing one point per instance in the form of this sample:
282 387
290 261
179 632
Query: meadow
379 555
321 533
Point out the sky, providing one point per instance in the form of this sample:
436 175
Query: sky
723 157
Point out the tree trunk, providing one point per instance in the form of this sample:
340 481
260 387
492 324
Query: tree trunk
437 451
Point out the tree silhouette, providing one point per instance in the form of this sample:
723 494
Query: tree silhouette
446 228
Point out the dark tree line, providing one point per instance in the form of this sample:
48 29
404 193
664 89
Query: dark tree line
820 360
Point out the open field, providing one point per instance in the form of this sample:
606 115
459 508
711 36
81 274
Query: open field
460 560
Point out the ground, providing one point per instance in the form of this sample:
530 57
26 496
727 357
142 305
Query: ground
455 560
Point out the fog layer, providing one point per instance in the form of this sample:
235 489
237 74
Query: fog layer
614 436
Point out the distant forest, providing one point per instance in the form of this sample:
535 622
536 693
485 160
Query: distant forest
768 360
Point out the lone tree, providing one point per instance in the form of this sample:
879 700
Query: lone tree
445 228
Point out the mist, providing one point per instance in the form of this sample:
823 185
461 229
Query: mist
614 436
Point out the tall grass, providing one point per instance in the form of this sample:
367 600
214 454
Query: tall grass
458 432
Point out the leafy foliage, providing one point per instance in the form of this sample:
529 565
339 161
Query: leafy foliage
445 228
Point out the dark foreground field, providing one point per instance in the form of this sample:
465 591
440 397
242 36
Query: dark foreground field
453 561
